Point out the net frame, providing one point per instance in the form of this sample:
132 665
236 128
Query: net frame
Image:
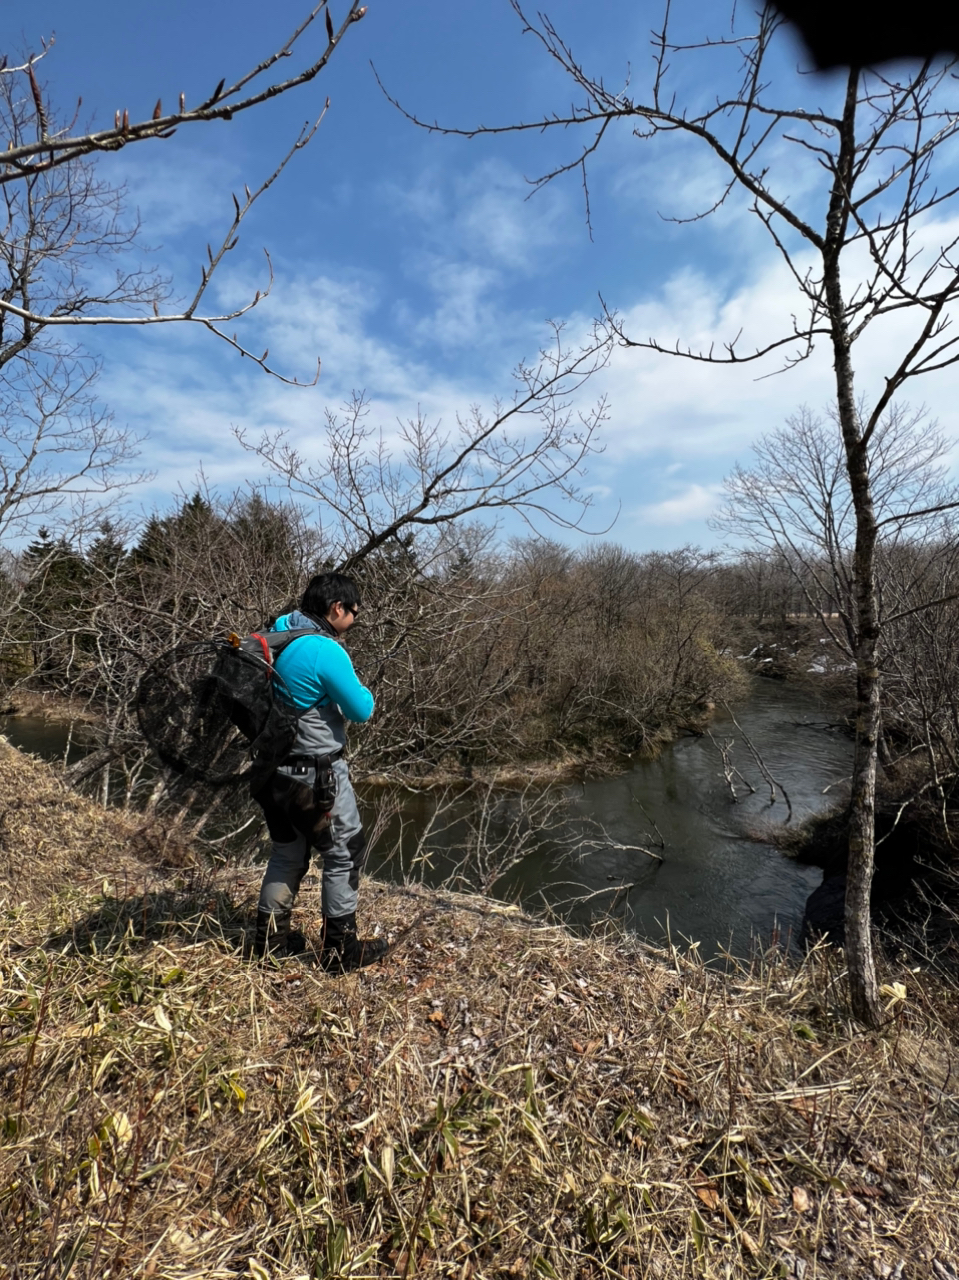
190 708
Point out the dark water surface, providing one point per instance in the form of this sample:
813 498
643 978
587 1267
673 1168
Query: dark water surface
47 738
715 885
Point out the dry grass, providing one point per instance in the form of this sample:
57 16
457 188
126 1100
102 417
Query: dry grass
500 1098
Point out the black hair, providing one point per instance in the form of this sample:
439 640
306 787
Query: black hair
324 590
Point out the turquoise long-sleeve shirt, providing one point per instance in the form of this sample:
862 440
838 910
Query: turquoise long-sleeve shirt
318 672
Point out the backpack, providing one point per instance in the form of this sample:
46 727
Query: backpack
218 711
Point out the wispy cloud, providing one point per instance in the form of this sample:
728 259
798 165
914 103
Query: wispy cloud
695 502
482 214
473 235
675 427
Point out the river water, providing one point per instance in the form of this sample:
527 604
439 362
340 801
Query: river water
712 881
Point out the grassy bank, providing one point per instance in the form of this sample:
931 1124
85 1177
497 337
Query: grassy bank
499 1098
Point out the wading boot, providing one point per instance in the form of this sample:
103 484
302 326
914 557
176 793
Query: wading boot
274 936
343 951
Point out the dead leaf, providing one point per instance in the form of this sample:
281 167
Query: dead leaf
800 1199
708 1192
748 1243
122 1127
182 1241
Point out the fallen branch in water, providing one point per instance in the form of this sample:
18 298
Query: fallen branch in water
729 769
634 848
774 783
652 823
579 899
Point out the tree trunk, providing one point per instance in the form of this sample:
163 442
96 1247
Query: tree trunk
862 807
87 766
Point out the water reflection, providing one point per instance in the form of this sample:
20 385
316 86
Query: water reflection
50 739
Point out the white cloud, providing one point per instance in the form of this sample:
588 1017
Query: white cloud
696 502
697 410
176 191
466 313
482 214
473 235
186 391
667 415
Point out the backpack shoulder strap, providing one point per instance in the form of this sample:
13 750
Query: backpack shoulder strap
278 640
267 644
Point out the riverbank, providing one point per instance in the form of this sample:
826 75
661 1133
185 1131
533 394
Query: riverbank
499 1098
52 707
567 765
581 837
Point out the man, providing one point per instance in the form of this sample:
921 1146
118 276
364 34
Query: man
319 676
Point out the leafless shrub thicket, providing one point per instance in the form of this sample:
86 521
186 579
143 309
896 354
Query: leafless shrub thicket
479 655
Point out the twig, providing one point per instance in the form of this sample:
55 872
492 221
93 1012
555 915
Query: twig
651 821
729 769
774 783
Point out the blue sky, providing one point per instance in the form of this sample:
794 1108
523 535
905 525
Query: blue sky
414 265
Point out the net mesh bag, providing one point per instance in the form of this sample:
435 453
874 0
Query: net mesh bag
216 714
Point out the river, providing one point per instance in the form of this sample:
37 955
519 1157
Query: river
711 881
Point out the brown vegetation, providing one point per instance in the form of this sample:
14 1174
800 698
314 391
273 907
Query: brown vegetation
480 656
499 1098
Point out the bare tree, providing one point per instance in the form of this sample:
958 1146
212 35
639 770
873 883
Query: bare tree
401 511
62 457
69 260
44 159
758 584
94 615
795 499
861 247
371 490
52 148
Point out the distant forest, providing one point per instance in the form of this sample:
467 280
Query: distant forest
483 653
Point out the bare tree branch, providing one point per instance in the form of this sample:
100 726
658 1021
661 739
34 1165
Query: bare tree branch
65 313
49 151
520 458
